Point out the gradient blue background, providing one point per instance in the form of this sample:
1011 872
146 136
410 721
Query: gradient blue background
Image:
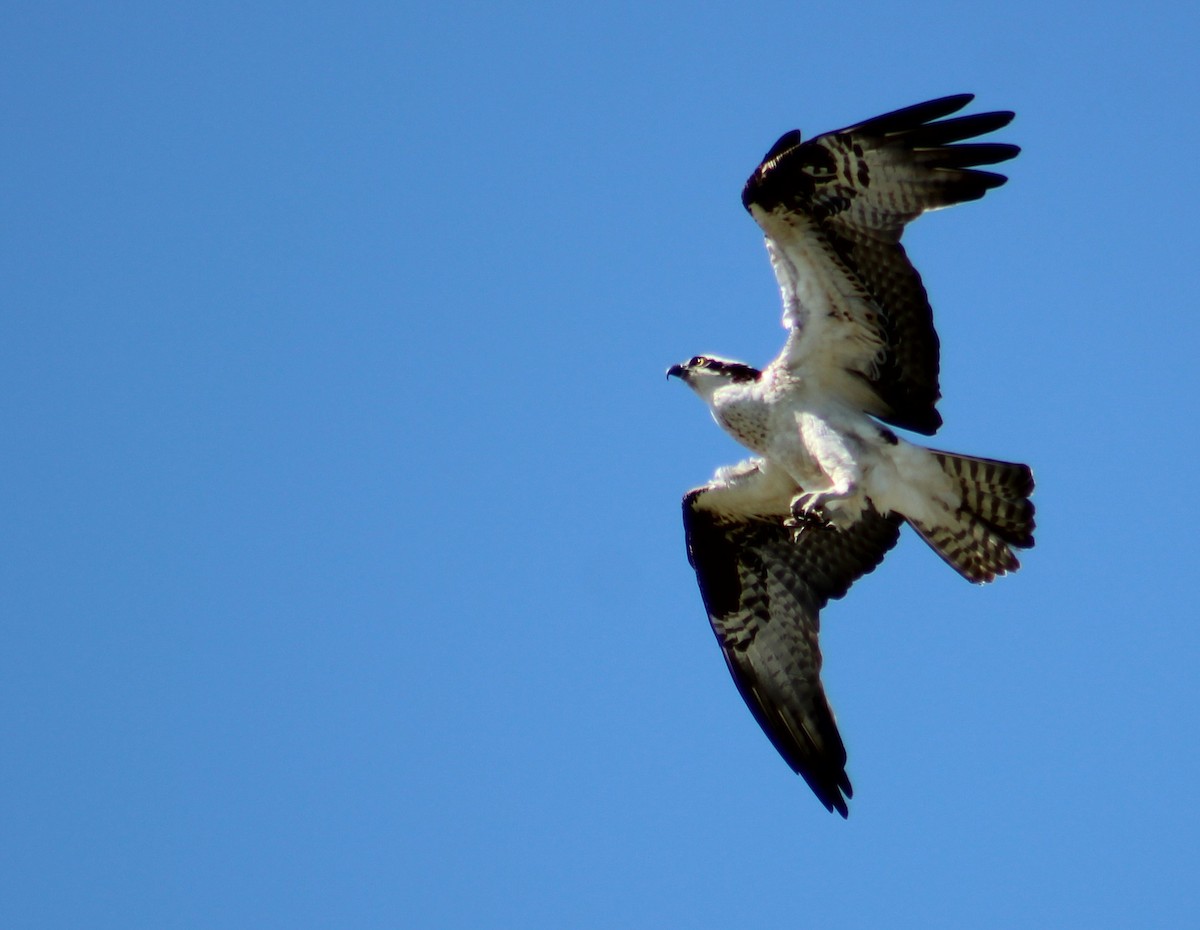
343 581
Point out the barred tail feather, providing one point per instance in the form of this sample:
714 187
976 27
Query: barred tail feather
994 517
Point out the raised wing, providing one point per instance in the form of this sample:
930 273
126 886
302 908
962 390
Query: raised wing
833 210
764 591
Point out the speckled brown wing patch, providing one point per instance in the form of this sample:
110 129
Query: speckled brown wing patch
861 185
763 590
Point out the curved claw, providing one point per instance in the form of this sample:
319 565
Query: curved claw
808 514
807 504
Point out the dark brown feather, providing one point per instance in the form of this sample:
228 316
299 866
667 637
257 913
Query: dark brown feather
763 587
862 184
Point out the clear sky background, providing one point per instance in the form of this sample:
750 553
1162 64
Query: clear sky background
343 580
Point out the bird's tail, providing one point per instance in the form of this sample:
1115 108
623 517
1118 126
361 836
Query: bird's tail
993 517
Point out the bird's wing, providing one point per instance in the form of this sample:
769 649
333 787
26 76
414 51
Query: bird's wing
764 591
833 210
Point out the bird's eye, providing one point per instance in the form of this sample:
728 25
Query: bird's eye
697 361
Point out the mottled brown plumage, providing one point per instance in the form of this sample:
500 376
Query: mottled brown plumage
773 539
764 583
856 189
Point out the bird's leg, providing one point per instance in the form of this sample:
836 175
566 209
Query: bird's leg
808 509
835 454
808 503
823 508
805 514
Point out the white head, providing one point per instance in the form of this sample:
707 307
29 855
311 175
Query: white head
706 374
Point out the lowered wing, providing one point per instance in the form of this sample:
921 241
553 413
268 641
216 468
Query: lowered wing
833 210
763 590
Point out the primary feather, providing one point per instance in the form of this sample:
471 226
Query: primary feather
773 539
833 210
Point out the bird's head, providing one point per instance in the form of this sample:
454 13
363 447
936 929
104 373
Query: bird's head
706 374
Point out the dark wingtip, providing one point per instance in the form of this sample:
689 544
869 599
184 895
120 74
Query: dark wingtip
789 140
970 154
839 802
915 115
834 797
785 143
917 417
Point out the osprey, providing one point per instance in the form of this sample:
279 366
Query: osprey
830 484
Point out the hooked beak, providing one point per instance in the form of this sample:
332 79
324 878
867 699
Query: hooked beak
677 371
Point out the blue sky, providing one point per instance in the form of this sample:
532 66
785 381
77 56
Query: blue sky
343 579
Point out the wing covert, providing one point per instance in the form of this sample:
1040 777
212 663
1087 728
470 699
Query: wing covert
837 206
763 592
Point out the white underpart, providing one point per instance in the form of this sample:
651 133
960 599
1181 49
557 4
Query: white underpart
833 322
907 479
837 457
753 486
833 450
802 295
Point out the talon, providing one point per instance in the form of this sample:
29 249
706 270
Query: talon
804 504
808 513
808 504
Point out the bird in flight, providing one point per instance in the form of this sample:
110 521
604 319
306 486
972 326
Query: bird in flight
830 483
